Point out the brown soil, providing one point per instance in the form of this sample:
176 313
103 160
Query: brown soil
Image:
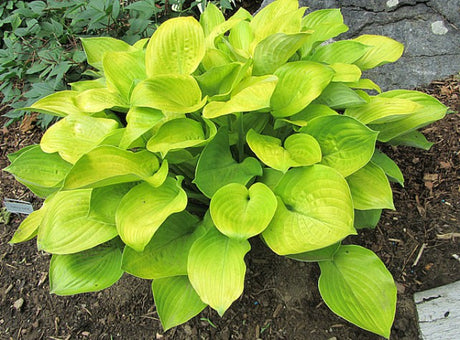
281 299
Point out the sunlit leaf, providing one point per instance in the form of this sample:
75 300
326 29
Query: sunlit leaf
96 47
88 271
299 150
28 228
299 84
59 104
370 176
178 134
135 228
139 121
216 269
383 50
123 69
41 170
275 50
346 144
172 93
176 47
357 286
176 300
167 252
252 94
314 211
107 165
431 110
66 228
241 213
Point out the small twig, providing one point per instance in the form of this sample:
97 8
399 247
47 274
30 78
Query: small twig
447 236
455 256
422 248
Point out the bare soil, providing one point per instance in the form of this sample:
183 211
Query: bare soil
281 299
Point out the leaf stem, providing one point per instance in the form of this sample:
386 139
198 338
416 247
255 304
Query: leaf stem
241 136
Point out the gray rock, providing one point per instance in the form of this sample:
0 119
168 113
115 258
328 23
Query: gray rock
429 30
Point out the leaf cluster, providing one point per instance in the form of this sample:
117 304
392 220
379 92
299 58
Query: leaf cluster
39 48
187 144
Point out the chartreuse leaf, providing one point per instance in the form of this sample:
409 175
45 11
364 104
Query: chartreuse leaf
299 150
382 110
176 47
105 200
431 110
344 51
277 17
357 286
339 96
370 176
367 218
384 50
43 171
299 84
313 111
84 85
97 100
242 213
210 18
325 24
123 69
241 37
219 30
59 104
88 271
414 138
314 210
66 228
167 252
13 156
214 58
107 165
139 121
219 81
365 84
96 47
323 254
176 301
156 204
346 144
172 93
28 228
251 94
216 166
216 269
275 50
346 73
179 134
389 166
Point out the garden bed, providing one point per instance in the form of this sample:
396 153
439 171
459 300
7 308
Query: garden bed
281 299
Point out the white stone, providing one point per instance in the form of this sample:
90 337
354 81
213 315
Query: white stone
439 28
439 312
392 3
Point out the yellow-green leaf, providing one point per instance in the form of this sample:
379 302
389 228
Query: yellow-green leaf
176 47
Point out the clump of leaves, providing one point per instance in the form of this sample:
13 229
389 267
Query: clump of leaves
39 51
214 132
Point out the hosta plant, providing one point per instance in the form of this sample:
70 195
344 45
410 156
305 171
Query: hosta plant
210 133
